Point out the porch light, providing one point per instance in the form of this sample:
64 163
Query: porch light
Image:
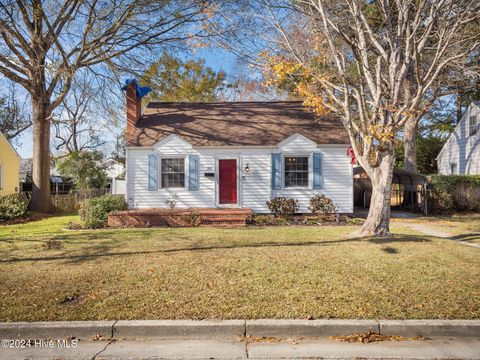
247 169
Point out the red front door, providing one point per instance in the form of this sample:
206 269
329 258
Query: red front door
227 181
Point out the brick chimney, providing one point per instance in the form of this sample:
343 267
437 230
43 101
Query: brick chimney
134 108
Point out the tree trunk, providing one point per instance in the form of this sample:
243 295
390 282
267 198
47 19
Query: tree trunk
410 145
378 219
41 199
459 106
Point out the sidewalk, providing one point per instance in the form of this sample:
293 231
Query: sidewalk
240 339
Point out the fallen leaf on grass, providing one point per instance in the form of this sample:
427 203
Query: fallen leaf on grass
372 336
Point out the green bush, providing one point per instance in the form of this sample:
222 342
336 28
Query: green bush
449 193
267 220
283 207
94 211
322 205
13 206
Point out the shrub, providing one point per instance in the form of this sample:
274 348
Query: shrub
322 205
13 206
94 211
448 193
172 201
267 219
283 207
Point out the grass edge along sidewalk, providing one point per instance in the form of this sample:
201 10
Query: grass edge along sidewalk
231 328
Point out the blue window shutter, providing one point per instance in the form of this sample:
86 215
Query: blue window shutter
276 171
192 172
152 172
317 170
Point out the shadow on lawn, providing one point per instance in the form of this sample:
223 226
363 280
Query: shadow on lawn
465 237
102 250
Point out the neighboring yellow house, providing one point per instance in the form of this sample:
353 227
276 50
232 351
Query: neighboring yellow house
9 167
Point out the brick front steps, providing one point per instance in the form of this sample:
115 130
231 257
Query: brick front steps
180 217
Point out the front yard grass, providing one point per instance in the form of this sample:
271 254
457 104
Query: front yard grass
48 273
463 227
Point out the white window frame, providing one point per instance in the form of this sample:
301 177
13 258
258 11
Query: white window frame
309 171
185 171
475 125
450 170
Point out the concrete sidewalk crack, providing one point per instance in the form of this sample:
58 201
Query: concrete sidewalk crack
245 338
112 334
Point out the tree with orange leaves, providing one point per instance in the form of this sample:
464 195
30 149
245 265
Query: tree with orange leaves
378 65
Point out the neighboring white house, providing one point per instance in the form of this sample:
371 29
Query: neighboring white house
461 152
242 154
115 172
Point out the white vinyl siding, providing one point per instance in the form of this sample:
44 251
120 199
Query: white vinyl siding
462 148
255 187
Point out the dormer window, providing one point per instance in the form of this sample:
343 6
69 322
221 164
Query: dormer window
473 125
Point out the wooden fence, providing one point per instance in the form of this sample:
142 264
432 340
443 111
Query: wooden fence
70 202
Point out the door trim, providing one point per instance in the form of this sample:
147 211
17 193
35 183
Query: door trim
217 181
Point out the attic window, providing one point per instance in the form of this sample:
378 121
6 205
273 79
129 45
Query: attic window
473 125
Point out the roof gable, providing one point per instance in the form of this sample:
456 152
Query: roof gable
3 137
173 141
466 115
297 141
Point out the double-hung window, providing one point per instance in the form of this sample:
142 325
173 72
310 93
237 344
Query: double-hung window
453 168
473 124
173 173
296 171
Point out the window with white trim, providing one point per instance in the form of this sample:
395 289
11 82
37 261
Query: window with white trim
296 171
473 124
453 168
173 173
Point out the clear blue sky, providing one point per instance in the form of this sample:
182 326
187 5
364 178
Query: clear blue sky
217 59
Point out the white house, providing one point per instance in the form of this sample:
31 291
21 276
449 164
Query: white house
237 154
115 172
461 152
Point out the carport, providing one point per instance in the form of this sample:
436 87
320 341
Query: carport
409 190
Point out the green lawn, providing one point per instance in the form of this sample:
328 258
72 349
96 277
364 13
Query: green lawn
276 272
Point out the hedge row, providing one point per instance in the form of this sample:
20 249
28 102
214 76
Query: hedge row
449 193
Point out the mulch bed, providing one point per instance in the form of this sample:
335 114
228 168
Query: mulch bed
300 220
29 218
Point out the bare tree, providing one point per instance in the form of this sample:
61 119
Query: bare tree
378 65
44 43
14 119
79 121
